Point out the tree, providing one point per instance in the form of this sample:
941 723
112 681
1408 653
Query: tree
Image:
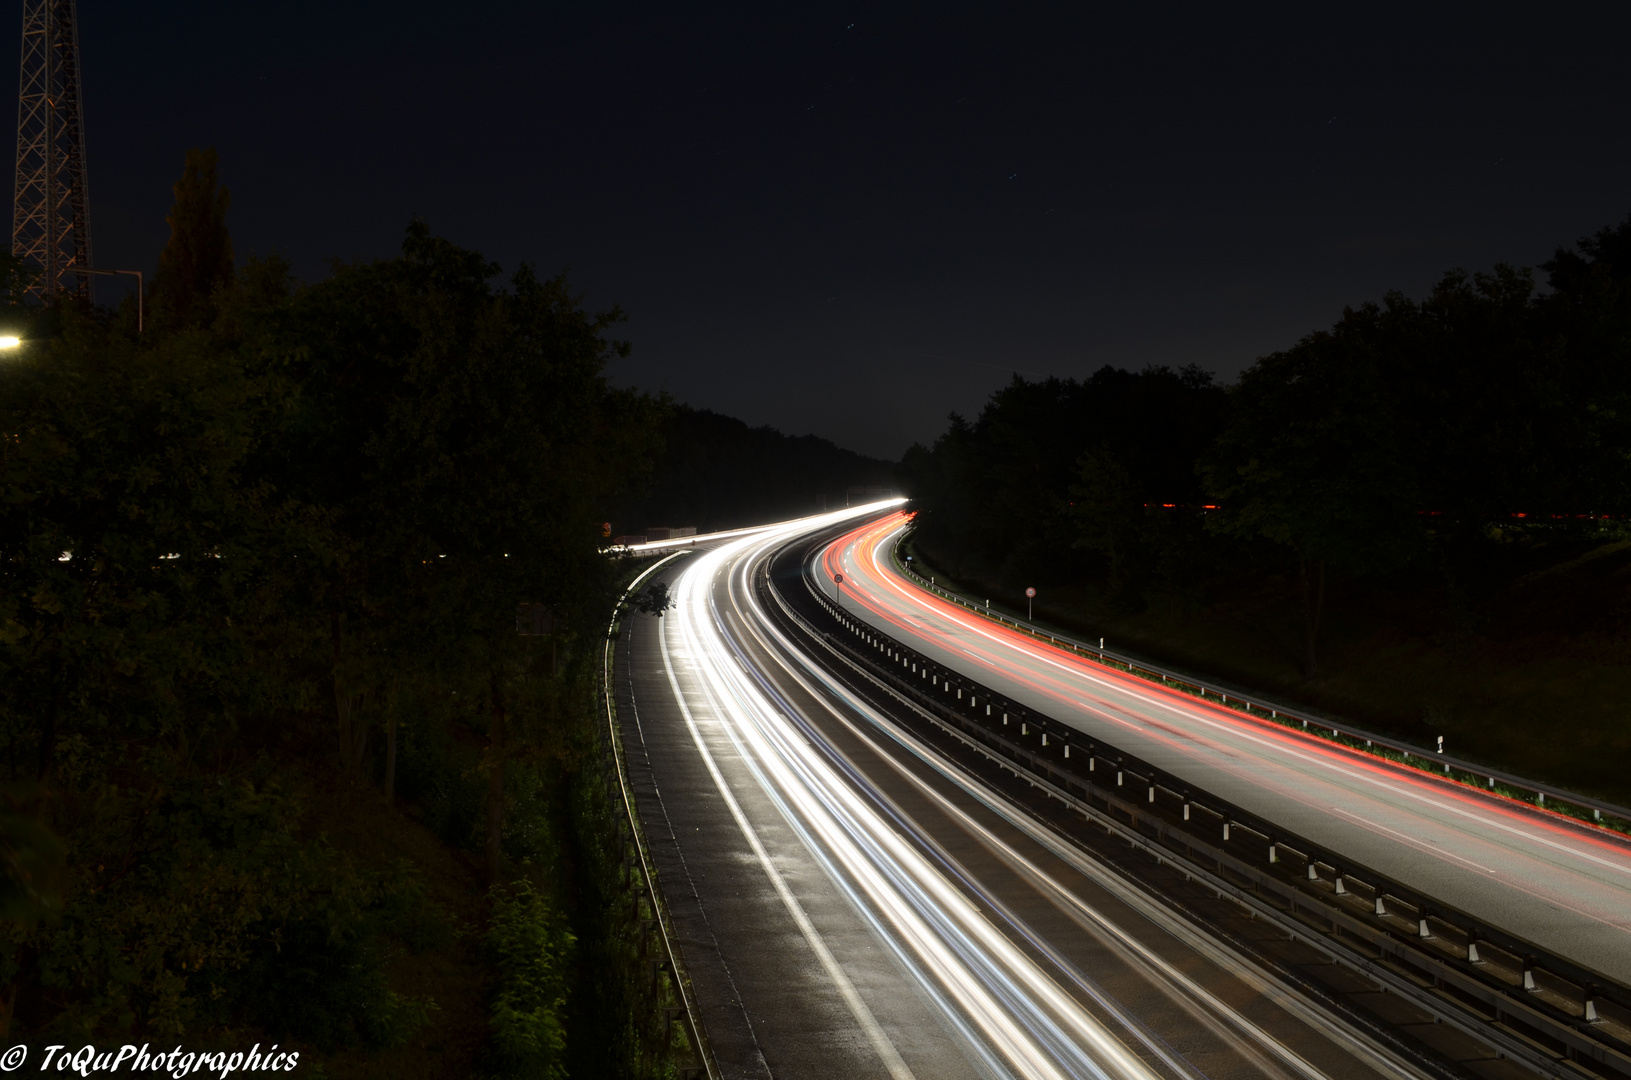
1318 459
1588 316
198 259
278 492
128 539
716 472
999 490
463 441
1106 510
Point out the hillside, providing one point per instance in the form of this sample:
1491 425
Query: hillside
716 472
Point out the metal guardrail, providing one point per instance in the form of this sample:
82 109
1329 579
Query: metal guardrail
671 961
1509 993
1595 811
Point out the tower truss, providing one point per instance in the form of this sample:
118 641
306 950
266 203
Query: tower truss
51 226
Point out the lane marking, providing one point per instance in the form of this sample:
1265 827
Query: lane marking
1393 784
846 989
1439 852
1224 959
1431 848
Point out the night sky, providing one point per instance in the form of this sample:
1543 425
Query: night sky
852 220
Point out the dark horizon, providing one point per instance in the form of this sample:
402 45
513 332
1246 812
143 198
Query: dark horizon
852 221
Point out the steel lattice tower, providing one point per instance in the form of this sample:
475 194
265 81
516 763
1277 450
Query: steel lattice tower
51 225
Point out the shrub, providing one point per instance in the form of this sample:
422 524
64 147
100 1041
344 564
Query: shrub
528 944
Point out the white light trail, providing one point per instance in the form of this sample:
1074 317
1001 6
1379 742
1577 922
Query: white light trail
1015 1011
1559 883
1247 1037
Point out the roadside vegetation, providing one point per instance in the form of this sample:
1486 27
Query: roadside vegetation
279 764
717 473
1419 518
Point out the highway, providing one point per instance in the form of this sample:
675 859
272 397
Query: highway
850 904
1565 887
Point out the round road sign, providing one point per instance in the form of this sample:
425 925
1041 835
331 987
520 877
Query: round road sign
838 578
1030 592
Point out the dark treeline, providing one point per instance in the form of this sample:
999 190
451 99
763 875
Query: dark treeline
1049 463
716 472
1399 444
278 766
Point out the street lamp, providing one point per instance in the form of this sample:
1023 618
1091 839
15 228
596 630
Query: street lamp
137 274
10 341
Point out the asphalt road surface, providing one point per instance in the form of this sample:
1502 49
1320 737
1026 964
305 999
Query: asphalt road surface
1564 886
849 906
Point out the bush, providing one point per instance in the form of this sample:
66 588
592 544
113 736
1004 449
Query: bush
198 902
528 944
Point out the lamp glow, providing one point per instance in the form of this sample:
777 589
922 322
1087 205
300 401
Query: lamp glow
8 341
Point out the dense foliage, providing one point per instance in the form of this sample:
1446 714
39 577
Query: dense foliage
716 472
1393 442
527 940
1054 469
239 551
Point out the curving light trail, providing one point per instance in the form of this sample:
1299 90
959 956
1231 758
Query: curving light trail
1567 888
1016 1001
1004 999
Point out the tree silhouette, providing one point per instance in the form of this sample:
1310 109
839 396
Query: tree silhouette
198 258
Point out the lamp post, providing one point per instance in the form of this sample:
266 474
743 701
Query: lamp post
137 274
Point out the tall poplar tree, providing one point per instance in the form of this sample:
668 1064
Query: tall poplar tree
198 259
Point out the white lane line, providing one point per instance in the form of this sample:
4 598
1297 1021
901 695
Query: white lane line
754 621
1223 958
1401 785
1435 850
1017 1009
846 989
1020 1007
1438 852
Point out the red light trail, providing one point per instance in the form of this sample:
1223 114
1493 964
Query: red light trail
1541 876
